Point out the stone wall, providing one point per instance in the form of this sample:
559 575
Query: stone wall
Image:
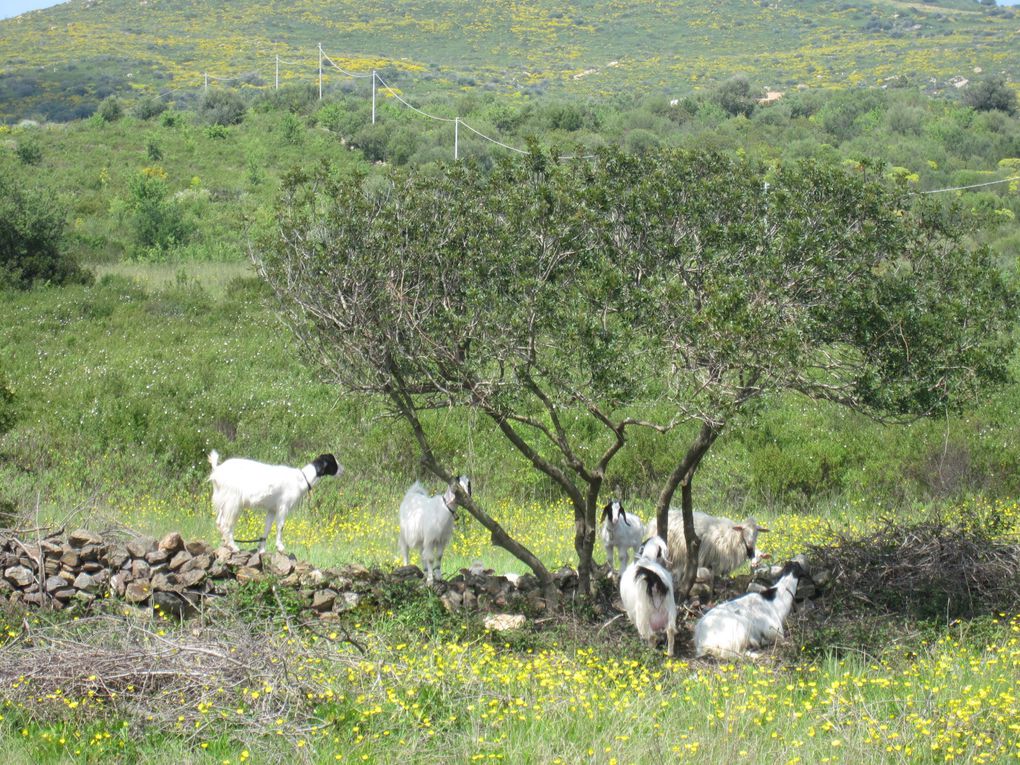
175 575
72 571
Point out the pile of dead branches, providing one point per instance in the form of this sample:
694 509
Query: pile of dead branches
925 570
189 678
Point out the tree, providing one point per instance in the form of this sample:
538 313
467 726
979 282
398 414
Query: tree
31 240
221 107
110 109
573 303
990 93
735 96
809 279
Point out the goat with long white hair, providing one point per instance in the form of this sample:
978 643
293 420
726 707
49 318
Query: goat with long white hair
621 533
646 589
426 524
239 483
750 621
725 544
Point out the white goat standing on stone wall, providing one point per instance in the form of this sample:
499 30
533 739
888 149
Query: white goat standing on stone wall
725 544
620 532
239 483
646 589
426 524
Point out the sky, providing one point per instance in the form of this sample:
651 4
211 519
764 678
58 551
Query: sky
10 8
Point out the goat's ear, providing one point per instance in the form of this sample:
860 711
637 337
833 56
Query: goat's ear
738 528
763 530
605 510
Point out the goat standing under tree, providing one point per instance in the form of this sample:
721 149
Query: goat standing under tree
568 301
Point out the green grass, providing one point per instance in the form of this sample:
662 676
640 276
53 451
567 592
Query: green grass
122 387
216 278
458 694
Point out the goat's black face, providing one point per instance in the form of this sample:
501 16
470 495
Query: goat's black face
793 567
613 512
325 464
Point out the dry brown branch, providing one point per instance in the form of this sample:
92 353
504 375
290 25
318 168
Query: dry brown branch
927 570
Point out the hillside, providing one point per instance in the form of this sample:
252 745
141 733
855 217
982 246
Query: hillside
58 63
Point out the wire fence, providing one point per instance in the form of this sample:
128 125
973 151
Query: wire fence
379 83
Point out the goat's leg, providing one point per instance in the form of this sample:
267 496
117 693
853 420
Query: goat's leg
225 519
609 557
265 532
428 563
403 547
670 639
281 518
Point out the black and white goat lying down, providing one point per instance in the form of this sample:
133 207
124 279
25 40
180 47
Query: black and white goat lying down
239 483
646 589
750 621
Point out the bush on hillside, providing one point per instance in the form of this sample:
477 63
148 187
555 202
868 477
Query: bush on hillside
221 107
147 108
31 238
991 93
110 109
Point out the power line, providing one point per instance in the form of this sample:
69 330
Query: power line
971 186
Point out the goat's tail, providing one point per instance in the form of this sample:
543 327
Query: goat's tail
214 458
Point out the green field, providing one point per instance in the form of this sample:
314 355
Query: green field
113 391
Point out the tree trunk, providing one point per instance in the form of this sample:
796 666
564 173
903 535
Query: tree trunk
682 477
497 533
584 536
693 540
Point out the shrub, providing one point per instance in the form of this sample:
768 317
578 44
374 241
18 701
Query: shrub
29 152
148 108
110 109
6 405
991 93
31 235
221 107
158 221
735 96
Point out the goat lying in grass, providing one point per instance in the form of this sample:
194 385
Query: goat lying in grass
646 589
620 533
750 621
725 545
426 524
239 483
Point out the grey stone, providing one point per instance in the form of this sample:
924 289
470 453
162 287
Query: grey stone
280 564
192 578
157 557
85 583
323 600
137 548
83 537
171 543
138 592
117 556
140 569
20 575
119 582
71 559
348 600
199 547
